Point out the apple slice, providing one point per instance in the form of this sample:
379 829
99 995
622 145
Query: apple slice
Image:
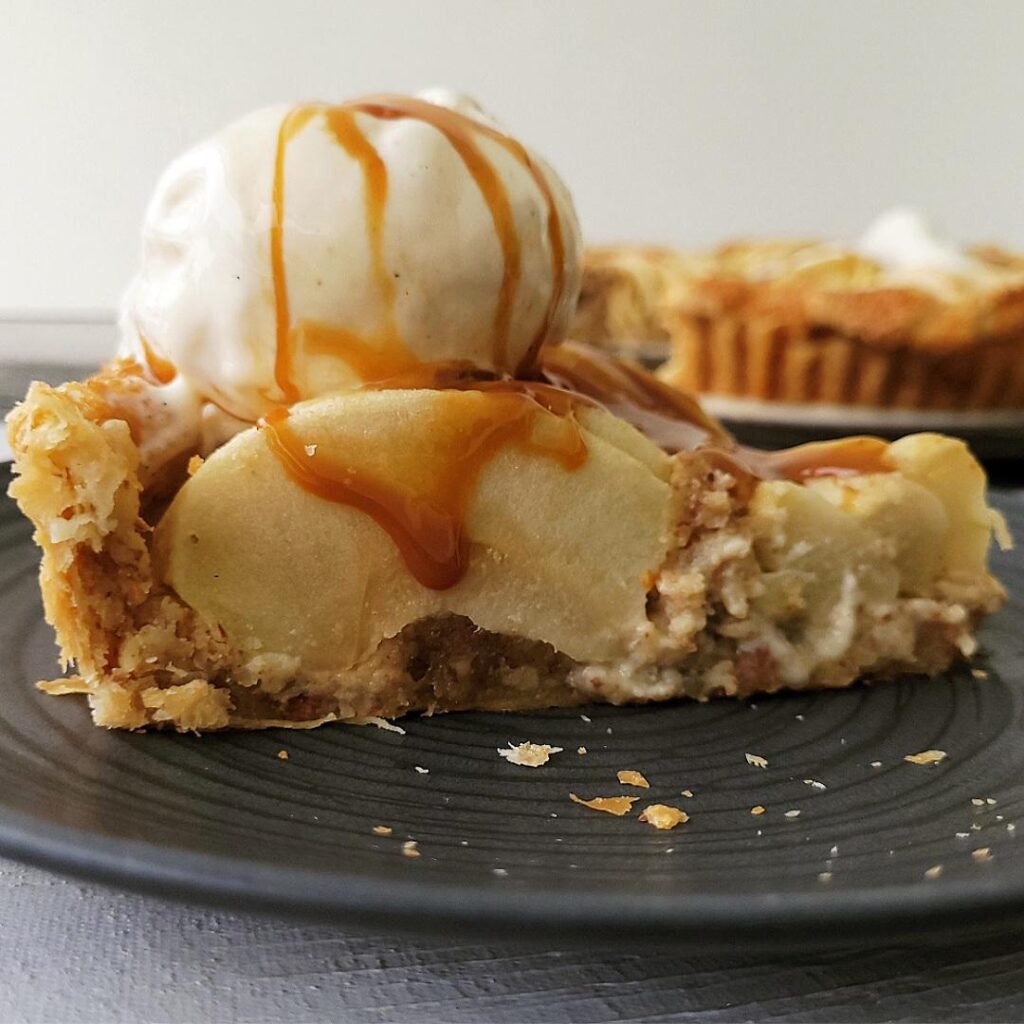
558 554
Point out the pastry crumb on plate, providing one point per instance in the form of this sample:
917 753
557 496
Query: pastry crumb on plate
628 777
529 755
663 816
926 757
617 805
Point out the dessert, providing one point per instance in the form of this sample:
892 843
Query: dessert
342 469
900 319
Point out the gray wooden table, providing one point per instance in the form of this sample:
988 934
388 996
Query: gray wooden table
78 953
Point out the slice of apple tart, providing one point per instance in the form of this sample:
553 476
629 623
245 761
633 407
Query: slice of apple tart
499 545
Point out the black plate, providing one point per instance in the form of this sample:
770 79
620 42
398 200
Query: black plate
222 818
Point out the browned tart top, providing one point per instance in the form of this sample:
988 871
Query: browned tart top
632 292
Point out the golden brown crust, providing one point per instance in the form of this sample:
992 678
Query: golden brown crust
78 482
817 286
804 322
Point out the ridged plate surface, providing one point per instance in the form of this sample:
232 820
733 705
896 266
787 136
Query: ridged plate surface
222 818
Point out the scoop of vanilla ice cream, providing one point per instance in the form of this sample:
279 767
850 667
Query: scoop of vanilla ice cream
398 242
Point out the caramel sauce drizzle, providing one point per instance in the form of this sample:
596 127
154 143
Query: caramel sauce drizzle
160 370
675 421
384 354
849 456
427 522
292 123
459 130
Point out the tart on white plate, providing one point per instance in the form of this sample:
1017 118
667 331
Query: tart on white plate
345 465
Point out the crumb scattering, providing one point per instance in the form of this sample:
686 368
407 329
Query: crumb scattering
617 805
195 464
876 764
688 793
409 848
663 816
382 830
586 718
963 835
990 801
756 761
282 755
825 876
977 801
500 872
420 769
982 853
310 449
757 809
815 784
793 814
934 871
979 673
529 755
581 750
628 777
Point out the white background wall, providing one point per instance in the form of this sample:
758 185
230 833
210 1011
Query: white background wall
674 121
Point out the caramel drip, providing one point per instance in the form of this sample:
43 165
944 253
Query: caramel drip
672 419
373 357
161 370
573 375
422 503
341 121
459 130
556 242
284 370
849 456
675 421
423 509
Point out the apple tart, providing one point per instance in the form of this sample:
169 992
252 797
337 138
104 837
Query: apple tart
899 319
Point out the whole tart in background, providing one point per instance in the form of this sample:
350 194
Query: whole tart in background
899 320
